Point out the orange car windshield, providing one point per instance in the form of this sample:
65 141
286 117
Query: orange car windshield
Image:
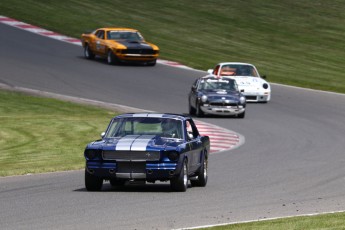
124 36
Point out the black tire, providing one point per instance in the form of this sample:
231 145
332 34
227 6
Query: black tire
88 53
180 183
111 58
202 175
198 111
191 109
242 115
117 183
92 183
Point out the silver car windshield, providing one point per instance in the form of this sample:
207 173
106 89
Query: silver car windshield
163 127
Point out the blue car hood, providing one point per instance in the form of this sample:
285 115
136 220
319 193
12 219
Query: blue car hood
136 143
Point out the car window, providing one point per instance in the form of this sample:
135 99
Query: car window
216 69
228 71
189 130
218 84
238 70
119 35
192 131
164 127
171 128
196 82
100 34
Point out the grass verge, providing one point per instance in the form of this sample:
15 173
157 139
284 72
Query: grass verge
332 221
45 135
292 42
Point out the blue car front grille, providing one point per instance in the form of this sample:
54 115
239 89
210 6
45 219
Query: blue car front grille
222 104
130 155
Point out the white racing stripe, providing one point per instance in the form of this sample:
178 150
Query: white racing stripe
155 115
133 142
141 143
140 115
126 142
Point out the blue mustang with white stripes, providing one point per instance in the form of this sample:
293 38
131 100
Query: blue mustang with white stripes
148 147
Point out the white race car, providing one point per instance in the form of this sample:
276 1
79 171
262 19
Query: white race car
249 82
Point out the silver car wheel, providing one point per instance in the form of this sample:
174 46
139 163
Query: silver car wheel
109 58
185 176
205 168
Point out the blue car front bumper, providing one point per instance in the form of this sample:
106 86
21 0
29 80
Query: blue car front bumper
133 170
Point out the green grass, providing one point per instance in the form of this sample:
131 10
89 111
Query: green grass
292 42
318 222
45 135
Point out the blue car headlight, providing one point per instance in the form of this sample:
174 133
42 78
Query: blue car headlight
242 99
91 154
265 86
173 155
204 98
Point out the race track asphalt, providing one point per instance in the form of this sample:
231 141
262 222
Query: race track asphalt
292 162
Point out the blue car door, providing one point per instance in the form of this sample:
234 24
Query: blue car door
194 94
194 145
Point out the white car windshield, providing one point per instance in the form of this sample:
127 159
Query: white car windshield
238 70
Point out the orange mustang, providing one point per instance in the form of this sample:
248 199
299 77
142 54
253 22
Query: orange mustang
119 45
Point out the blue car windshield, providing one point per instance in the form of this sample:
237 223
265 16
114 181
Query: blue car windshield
218 84
163 127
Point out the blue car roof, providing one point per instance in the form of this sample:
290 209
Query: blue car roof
158 115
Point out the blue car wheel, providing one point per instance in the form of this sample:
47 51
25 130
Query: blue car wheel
92 183
202 175
199 112
180 183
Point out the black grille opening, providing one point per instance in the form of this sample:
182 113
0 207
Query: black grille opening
138 51
222 104
130 155
131 167
251 97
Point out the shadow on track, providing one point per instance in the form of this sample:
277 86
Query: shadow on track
135 187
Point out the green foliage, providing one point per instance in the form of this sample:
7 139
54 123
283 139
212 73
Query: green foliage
292 42
44 135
